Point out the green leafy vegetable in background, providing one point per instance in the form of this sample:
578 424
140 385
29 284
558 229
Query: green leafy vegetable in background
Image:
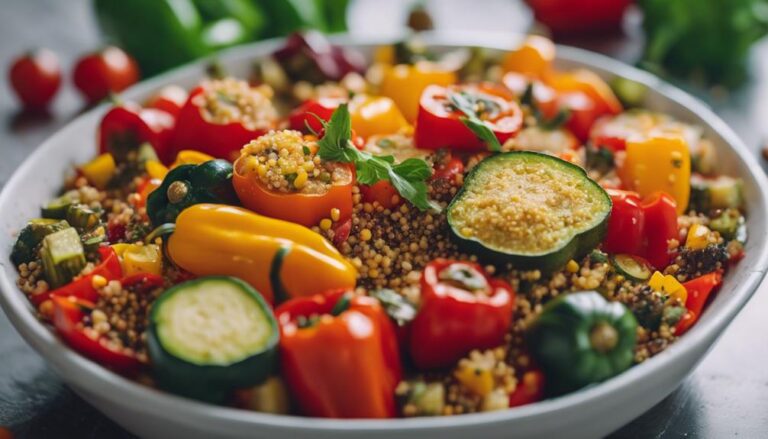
708 39
408 177
162 34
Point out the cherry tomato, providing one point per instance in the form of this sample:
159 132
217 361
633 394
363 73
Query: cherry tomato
382 192
36 77
583 113
449 169
169 99
105 71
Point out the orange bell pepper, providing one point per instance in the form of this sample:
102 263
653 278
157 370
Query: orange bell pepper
339 355
372 115
297 207
591 85
405 83
534 57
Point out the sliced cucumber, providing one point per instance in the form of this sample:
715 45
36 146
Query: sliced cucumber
82 217
632 267
211 335
529 209
26 245
63 256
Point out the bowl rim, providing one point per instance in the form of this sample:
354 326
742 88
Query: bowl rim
93 378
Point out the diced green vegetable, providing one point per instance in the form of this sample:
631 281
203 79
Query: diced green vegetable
30 237
57 208
631 267
93 238
63 256
233 343
630 93
722 192
727 223
427 398
82 217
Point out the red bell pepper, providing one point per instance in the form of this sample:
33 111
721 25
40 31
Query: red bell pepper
339 355
68 315
82 288
642 227
529 389
169 99
439 124
307 114
583 113
127 126
699 290
221 140
571 17
462 309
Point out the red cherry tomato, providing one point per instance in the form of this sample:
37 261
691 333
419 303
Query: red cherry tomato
169 99
583 112
449 169
382 192
35 78
109 70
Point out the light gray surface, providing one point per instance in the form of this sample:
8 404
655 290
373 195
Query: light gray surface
725 396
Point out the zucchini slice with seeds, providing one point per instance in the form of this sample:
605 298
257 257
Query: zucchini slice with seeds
529 209
63 256
632 267
211 335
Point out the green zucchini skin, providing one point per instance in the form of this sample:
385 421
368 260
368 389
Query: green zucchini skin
211 383
578 246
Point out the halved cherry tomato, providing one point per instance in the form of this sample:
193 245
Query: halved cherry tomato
448 169
529 389
381 192
36 77
544 96
439 124
68 315
307 114
583 113
169 99
108 70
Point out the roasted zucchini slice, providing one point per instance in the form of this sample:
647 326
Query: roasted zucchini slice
529 209
210 336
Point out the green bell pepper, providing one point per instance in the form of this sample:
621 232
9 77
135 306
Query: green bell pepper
580 339
177 31
186 185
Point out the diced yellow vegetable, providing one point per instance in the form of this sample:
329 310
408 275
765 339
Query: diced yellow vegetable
156 169
475 376
100 170
405 83
698 237
669 285
659 164
139 258
190 157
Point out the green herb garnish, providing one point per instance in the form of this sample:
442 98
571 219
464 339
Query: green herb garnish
467 105
409 177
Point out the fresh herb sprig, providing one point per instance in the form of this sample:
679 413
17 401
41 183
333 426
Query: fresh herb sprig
467 104
408 177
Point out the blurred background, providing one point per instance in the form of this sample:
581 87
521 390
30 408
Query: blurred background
713 48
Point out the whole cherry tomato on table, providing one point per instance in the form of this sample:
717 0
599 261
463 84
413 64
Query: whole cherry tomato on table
105 71
580 16
35 78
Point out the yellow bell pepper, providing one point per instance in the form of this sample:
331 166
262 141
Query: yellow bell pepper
155 169
669 285
405 83
191 157
698 237
99 170
658 164
137 259
373 115
534 57
279 258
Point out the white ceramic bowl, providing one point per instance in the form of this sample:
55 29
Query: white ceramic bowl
591 412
